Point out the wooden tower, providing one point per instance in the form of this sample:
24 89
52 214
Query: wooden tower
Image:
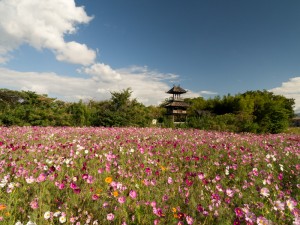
176 107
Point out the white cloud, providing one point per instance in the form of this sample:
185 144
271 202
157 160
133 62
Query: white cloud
290 89
103 72
96 85
43 24
208 93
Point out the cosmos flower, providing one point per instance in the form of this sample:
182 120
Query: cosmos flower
278 205
110 216
108 180
189 220
34 204
62 219
31 223
265 192
133 194
47 215
121 199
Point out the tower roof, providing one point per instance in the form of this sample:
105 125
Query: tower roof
177 104
176 90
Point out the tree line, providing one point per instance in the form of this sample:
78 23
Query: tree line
252 111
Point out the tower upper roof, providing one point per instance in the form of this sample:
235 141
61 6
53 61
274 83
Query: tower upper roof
176 90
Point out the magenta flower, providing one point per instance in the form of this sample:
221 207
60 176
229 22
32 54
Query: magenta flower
77 190
239 212
73 185
61 186
188 182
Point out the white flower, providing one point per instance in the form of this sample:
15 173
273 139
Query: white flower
3 182
62 219
47 215
56 214
270 165
281 167
18 223
30 223
86 151
11 185
227 170
95 222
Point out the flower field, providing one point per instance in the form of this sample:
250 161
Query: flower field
147 176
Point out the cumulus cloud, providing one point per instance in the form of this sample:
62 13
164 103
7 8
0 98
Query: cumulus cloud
43 24
290 89
102 71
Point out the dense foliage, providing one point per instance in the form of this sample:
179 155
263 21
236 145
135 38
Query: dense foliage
253 111
131 176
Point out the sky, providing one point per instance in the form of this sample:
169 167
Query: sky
86 49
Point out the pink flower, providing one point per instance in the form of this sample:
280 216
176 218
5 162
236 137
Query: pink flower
121 199
41 177
61 186
201 176
189 220
90 180
133 194
85 176
110 216
95 197
250 217
170 180
34 204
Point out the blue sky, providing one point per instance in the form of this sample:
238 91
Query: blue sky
86 48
